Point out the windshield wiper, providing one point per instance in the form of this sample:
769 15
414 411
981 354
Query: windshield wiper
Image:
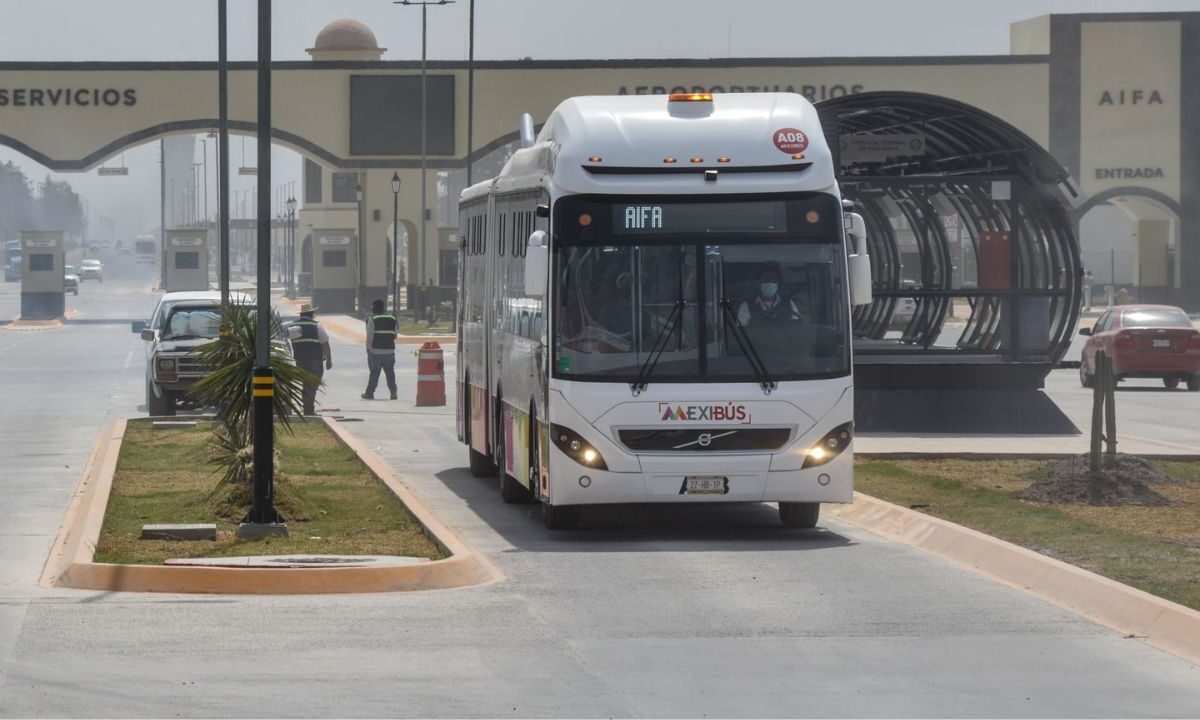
743 341
656 350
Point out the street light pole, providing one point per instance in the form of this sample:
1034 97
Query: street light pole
424 5
204 149
291 245
362 296
395 242
263 518
470 90
223 152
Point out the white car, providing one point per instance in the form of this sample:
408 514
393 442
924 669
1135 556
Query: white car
91 270
70 280
180 323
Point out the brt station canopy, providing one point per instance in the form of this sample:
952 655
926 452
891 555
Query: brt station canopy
975 265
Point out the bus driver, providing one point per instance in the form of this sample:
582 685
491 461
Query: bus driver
767 306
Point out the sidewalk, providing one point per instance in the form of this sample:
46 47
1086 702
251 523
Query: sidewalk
353 329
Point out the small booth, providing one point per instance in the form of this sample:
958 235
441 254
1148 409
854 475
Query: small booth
186 257
335 270
42 275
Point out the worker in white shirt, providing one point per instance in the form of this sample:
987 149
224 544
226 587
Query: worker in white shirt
310 343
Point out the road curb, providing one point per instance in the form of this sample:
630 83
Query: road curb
71 562
1166 625
32 325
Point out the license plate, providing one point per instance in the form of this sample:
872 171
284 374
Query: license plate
705 485
1162 343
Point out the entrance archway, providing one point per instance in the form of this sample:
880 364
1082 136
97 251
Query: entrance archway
1129 238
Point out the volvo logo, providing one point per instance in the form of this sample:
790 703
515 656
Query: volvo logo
705 439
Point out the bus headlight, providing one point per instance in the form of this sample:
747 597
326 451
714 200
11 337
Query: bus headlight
829 447
575 447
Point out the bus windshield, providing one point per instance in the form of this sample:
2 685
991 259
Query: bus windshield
685 290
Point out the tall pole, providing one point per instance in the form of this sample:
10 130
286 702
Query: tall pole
470 90
263 510
424 122
291 242
162 215
223 151
395 243
204 145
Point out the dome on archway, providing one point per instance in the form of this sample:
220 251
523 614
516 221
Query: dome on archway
346 39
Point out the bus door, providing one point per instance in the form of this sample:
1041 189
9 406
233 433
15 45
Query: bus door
490 316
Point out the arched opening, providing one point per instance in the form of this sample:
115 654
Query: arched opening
1129 239
167 177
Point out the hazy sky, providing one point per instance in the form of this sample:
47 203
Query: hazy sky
186 30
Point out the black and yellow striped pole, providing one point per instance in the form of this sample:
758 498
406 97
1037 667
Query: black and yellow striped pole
263 398
263 519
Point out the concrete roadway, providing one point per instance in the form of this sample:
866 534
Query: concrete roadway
709 611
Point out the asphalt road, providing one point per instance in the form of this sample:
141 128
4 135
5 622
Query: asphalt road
712 611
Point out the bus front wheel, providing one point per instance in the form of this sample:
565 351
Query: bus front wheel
799 515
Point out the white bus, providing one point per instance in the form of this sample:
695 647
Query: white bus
655 307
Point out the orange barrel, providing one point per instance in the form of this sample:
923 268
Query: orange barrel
431 375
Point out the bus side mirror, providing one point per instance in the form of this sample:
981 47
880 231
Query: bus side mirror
537 264
858 262
860 280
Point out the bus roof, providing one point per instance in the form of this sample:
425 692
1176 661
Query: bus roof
665 143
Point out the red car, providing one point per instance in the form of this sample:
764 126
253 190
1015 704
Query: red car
1144 341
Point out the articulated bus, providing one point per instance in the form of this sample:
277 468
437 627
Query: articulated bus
655 307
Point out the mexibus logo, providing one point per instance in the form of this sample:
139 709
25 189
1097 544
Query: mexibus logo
727 412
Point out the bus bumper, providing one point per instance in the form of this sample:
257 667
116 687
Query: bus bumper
664 479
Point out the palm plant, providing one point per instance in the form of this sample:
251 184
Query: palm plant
227 387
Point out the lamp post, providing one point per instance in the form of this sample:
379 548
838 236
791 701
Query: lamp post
263 518
395 242
358 198
280 245
424 5
291 245
223 150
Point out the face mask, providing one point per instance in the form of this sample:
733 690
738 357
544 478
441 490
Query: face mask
769 289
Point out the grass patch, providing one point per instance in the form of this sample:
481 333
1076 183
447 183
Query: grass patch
1156 549
333 504
422 327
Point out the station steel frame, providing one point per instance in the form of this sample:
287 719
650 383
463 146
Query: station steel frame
991 178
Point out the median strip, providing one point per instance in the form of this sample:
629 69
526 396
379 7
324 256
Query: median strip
73 562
